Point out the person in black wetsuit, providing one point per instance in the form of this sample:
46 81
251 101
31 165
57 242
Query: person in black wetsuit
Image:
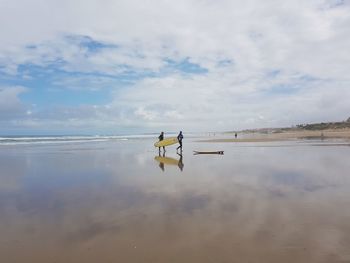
179 138
161 138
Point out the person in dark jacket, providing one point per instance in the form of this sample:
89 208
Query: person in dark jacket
161 138
179 138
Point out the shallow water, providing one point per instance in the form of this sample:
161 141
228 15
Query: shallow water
117 201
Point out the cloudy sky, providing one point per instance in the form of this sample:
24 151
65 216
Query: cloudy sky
127 66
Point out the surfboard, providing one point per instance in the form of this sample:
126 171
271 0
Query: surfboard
166 142
208 152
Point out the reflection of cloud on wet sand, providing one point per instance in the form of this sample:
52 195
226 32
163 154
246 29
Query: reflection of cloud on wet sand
235 221
12 171
90 231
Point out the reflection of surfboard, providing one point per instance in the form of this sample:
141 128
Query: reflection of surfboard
166 142
208 152
166 160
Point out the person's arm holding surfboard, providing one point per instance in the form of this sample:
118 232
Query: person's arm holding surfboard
165 142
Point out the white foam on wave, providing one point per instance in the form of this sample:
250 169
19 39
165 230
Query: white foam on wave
56 139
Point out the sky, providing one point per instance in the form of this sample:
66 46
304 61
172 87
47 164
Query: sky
127 66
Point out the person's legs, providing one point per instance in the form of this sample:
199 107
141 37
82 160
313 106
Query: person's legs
180 146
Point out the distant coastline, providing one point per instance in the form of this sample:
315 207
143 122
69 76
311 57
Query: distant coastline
324 130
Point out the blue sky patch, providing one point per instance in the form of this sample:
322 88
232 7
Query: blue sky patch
185 66
49 86
89 43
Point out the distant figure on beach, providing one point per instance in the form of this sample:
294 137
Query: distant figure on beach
161 138
179 138
236 135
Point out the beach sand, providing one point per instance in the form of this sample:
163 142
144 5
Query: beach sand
284 136
115 202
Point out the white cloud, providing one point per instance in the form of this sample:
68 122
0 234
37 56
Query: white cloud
10 104
305 42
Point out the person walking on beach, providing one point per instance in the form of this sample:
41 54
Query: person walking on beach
161 138
179 138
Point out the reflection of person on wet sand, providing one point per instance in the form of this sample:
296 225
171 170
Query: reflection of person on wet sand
164 160
180 164
161 165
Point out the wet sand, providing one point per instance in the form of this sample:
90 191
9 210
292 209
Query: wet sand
115 202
